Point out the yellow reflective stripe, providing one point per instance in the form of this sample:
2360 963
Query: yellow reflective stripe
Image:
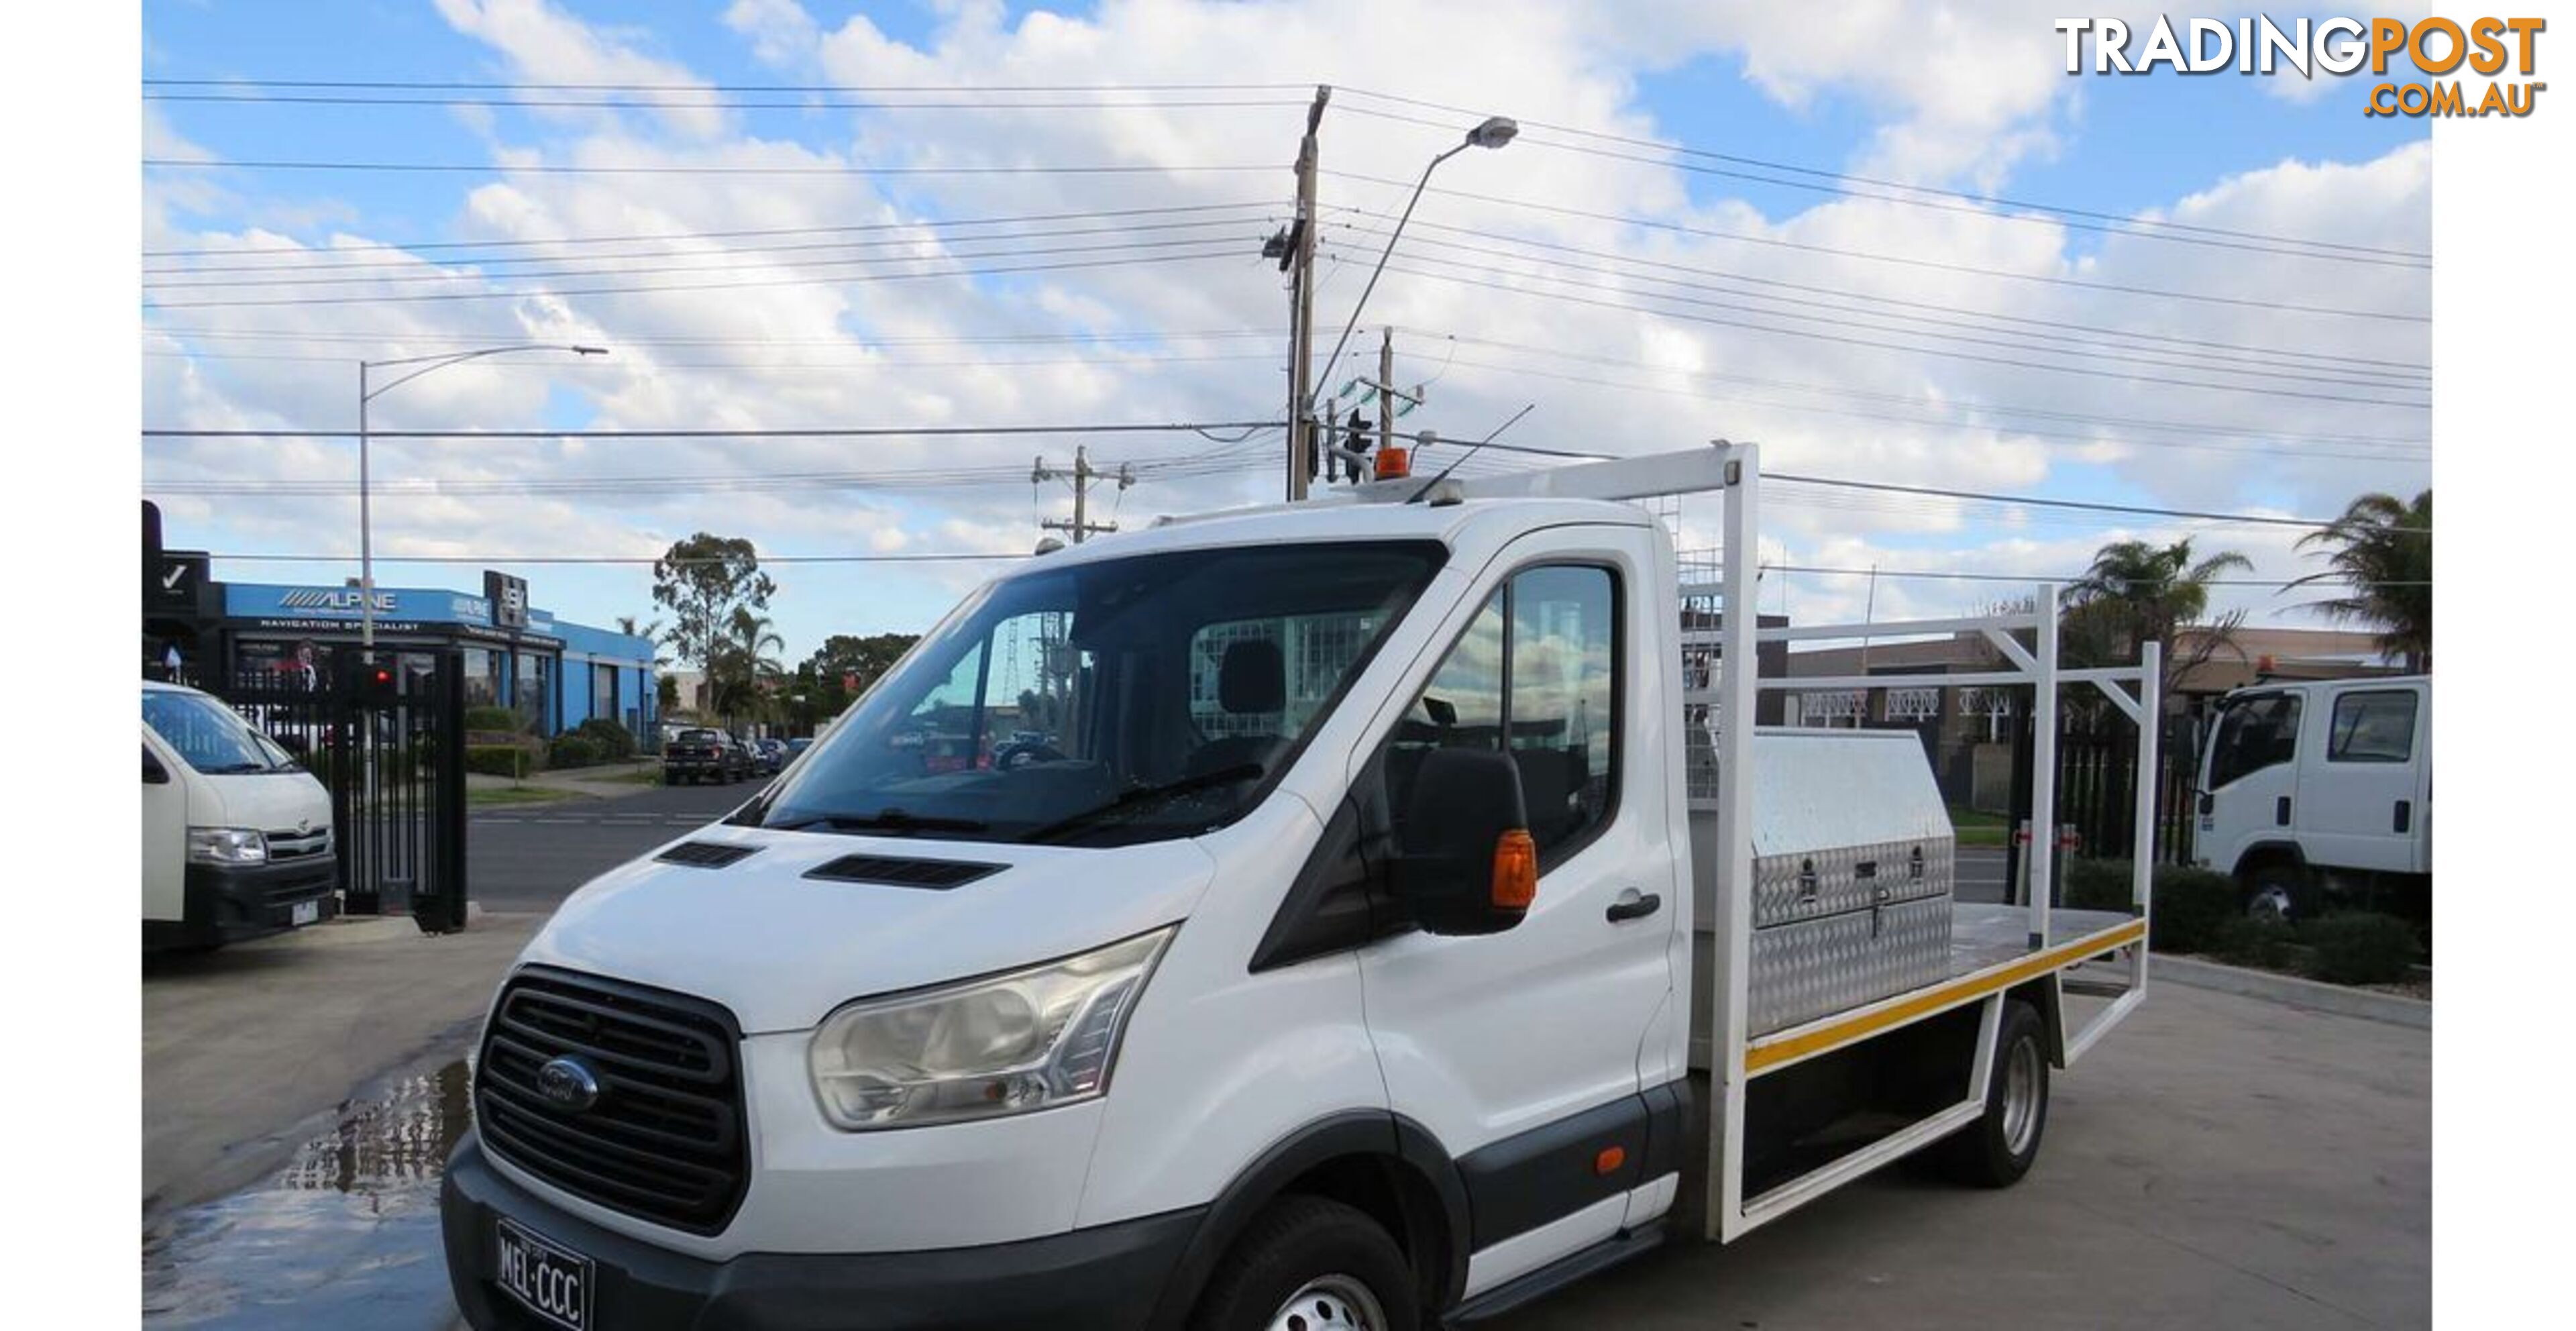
1771 1051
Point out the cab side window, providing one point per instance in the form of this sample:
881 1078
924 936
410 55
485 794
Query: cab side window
2373 727
1535 675
2255 733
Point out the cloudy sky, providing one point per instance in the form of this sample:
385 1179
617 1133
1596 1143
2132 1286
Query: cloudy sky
1892 242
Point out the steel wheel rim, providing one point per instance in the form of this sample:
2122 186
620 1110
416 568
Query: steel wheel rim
2021 1098
1329 1301
2269 903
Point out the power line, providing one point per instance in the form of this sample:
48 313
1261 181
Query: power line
2030 342
1999 274
647 340
1893 418
1889 346
941 557
826 432
465 269
928 223
720 104
1871 299
1991 408
669 169
403 85
1136 259
2070 218
2082 505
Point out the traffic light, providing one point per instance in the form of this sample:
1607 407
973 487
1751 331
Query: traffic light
376 684
1359 443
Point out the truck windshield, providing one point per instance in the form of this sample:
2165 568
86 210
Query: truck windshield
1107 703
209 736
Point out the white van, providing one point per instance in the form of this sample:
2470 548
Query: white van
236 837
2320 791
1341 952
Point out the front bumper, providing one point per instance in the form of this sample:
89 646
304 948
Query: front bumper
1108 1277
232 903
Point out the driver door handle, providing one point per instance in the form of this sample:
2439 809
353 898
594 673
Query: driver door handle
1633 906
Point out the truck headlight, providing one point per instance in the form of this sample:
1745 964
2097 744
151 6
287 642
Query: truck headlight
227 845
1007 1044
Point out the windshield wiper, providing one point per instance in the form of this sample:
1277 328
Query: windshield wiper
883 820
1137 799
235 769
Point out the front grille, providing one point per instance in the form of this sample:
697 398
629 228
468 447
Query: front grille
297 845
935 875
664 1141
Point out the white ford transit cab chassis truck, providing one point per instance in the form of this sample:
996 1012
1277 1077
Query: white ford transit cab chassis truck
1371 913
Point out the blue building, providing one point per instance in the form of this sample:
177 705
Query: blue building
554 673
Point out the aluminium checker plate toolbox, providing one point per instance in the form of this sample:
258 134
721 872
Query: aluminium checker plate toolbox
1852 874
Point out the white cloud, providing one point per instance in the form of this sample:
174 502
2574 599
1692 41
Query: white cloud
756 343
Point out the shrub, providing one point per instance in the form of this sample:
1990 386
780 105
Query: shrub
573 750
494 719
616 742
2255 941
2190 904
508 760
2359 947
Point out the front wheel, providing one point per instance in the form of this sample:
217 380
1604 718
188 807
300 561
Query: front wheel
2276 892
1309 1264
1998 1148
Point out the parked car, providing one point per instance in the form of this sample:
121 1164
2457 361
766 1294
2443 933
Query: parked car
236 836
796 747
769 756
2312 793
704 754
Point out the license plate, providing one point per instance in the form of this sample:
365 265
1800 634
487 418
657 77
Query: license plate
546 1278
304 912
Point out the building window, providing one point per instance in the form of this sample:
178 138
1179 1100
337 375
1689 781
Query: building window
482 677
530 688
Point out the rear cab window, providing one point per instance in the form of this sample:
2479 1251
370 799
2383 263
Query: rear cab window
2372 726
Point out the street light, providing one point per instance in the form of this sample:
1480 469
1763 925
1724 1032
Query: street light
1494 133
366 525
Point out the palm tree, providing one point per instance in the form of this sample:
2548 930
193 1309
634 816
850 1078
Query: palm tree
745 659
2383 551
2136 593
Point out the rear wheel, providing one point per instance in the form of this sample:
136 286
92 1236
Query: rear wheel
2277 890
1309 1264
1997 1149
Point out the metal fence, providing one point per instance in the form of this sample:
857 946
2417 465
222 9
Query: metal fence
388 741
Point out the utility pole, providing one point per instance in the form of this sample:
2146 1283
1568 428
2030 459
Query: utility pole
1082 476
1385 385
1300 260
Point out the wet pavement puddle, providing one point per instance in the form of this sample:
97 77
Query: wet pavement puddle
346 1235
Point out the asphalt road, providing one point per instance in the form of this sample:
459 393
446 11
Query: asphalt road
529 857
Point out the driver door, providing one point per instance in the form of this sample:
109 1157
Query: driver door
1520 1050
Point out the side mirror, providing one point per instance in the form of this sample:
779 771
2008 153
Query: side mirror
1467 864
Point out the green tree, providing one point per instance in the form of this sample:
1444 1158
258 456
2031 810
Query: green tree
847 664
745 663
2382 551
703 581
2136 593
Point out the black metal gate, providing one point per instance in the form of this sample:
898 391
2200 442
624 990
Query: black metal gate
386 736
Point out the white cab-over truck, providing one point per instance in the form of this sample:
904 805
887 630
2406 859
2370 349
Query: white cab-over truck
1398 919
2318 791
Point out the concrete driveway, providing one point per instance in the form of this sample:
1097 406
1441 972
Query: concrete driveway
2218 1161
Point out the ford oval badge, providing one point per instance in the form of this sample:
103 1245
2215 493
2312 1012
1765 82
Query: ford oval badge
568 1084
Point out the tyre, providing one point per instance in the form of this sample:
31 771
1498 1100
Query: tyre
2277 891
1309 1264
1997 1149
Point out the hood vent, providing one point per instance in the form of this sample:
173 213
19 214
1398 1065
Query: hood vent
706 854
932 875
